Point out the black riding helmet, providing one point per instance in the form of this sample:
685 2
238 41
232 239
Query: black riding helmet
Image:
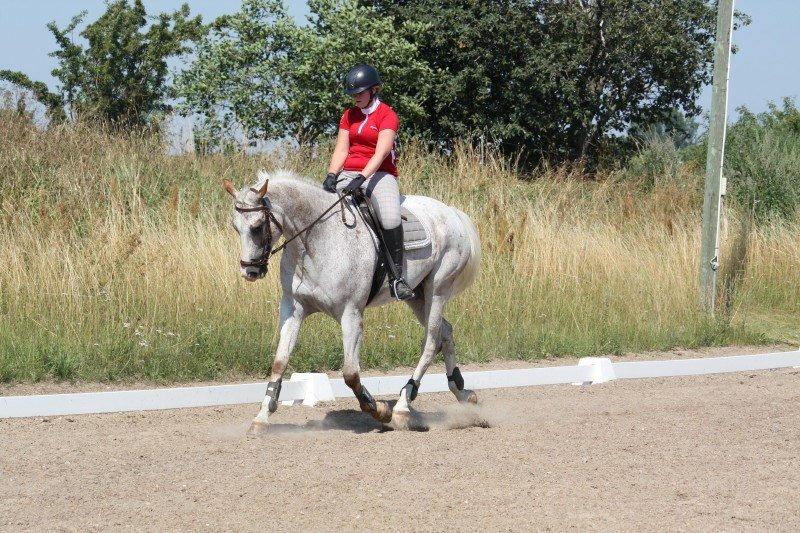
360 78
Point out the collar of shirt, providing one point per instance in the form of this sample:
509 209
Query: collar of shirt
371 108
367 112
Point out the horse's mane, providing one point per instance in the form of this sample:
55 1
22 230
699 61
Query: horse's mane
292 188
283 176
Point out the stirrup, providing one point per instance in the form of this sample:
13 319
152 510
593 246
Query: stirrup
405 292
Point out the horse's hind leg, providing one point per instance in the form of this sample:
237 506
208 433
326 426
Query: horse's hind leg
454 380
429 313
352 332
448 348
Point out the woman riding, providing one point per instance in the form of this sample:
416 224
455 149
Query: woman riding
364 158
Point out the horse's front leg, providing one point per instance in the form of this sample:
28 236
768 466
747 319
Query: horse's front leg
292 316
352 332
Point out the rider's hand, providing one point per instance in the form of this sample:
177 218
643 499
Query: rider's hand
354 184
330 182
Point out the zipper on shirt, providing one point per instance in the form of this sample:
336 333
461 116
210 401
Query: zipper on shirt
361 127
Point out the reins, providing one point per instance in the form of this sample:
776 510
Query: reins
311 225
271 219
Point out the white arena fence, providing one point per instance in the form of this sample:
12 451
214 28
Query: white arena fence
308 389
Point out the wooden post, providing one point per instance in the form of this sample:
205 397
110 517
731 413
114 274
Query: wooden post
715 184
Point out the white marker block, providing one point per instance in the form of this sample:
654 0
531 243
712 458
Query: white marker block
317 388
601 369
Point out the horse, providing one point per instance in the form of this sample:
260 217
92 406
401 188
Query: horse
327 266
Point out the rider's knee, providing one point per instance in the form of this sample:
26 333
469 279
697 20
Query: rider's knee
390 221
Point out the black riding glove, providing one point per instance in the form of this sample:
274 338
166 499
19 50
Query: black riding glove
354 184
330 182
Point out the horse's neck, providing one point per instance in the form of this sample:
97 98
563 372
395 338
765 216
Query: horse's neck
300 203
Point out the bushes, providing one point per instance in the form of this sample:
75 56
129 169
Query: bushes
658 162
762 161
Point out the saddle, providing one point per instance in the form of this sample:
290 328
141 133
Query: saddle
415 236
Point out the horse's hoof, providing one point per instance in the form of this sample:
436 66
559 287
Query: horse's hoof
467 396
257 428
400 420
383 412
407 421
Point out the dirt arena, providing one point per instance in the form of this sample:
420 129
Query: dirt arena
700 453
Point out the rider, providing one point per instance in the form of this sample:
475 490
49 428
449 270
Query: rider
364 158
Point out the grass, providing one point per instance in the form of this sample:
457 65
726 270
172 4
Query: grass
118 262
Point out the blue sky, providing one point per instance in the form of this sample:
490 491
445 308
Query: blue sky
767 67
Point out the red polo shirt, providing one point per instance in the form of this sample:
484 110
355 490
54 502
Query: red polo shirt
364 131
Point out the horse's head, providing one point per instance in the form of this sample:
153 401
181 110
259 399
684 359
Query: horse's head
257 226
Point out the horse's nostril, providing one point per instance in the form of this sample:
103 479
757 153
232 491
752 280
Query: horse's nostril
254 272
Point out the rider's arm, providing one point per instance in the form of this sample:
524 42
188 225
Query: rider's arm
382 149
340 151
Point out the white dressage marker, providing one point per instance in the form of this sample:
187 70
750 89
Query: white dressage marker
309 389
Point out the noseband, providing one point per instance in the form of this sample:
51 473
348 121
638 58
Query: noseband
265 227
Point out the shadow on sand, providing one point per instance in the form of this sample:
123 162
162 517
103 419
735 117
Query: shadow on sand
454 417
339 420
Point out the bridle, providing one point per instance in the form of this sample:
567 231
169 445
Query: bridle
267 240
266 232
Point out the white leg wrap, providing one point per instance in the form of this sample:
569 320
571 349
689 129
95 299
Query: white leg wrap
402 401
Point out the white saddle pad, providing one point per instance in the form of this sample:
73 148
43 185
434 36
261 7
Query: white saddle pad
415 233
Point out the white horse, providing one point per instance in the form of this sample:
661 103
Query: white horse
329 269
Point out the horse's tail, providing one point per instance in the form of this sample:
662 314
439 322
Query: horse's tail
470 272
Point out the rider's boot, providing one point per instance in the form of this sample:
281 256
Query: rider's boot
394 242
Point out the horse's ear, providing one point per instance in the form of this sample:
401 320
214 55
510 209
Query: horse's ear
229 187
263 190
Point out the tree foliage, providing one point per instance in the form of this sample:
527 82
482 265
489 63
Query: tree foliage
52 102
260 70
554 79
762 160
120 75
558 78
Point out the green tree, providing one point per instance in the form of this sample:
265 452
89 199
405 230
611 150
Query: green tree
52 102
260 70
120 76
762 161
676 127
558 78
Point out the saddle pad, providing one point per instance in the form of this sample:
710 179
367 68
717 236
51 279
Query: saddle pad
415 234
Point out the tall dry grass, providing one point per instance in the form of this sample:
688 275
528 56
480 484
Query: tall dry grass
118 261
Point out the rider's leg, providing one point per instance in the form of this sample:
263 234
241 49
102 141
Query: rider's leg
384 195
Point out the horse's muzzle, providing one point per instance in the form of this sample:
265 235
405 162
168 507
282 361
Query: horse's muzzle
254 273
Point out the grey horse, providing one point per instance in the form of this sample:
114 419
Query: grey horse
329 269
